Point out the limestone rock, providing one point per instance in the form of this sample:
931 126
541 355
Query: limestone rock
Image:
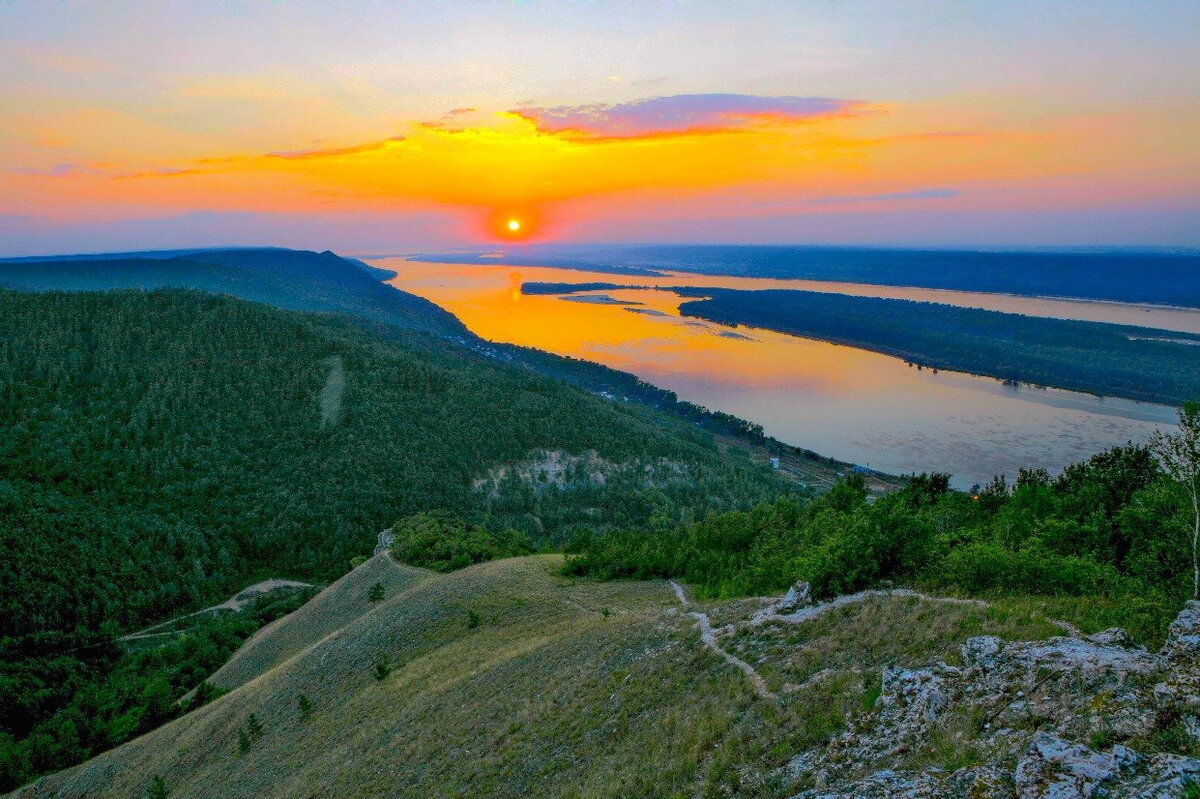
798 596
981 651
1167 777
918 694
384 542
1183 636
1056 769
887 785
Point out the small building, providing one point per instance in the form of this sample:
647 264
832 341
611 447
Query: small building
774 463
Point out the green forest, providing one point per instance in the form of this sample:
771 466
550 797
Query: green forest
163 449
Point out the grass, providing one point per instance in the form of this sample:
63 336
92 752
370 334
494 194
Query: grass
878 632
547 696
1145 618
508 680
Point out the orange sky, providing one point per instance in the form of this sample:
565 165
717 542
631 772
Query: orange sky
696 120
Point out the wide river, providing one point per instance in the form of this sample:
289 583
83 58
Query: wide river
847 403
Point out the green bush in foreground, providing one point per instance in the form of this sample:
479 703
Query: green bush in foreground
1113 529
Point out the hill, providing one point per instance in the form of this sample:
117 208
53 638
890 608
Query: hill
334 608
507 680
324 282
163 449
298 280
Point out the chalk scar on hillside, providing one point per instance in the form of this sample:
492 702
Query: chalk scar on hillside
330 398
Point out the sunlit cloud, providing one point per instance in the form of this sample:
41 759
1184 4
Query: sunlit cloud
331 152
681 113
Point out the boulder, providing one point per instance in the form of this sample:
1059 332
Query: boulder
798 596
1056 769
913 697
1183 636
1114 636
982 651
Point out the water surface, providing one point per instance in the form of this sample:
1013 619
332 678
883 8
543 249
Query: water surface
840 401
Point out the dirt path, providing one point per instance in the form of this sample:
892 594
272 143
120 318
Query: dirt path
235 604
709 637
771 613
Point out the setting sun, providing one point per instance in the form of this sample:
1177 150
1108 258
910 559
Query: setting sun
514 225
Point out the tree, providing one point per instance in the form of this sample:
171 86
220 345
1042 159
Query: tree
254 727
376 593
306 707
157 789
1179 454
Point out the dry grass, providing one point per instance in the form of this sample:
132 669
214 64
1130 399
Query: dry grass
329 611
548 695
877 632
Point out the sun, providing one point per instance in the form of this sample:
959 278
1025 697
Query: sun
512 224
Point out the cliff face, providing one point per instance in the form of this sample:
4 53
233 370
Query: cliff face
1065 718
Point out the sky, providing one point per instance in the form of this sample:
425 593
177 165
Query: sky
393 127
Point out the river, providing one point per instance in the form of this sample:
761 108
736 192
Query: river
847 403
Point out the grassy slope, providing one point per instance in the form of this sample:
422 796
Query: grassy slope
332 609
548 696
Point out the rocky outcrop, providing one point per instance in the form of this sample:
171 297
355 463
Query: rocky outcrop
1056 769
798 596
384 542
1036 712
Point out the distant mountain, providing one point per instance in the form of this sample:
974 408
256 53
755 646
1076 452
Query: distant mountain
1161 277
293 279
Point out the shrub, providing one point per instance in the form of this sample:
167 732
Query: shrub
442 542
158 789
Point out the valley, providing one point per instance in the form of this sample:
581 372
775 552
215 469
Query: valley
577 590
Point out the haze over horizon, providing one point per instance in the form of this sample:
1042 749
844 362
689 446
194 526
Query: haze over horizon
379 127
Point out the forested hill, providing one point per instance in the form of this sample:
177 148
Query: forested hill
295 279
162 447
309 281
